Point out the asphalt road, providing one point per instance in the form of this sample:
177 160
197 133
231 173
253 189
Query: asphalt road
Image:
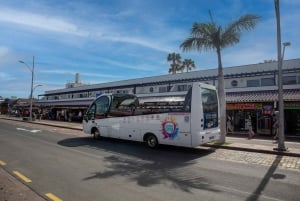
73 166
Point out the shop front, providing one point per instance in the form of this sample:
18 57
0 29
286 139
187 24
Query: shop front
292 118
260 113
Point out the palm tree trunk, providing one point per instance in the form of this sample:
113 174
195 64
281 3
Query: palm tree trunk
222 98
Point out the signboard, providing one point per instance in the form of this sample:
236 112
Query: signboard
292 105
243 106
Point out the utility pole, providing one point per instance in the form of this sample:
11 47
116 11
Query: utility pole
281 145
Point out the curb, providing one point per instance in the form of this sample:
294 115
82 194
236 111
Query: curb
281 153
59 126
41 123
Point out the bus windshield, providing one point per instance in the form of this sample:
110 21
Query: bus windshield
210 108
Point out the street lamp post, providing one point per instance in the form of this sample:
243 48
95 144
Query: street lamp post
31 89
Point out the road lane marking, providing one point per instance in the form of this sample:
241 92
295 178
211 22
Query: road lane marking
53 197
21 176
32 131
2 163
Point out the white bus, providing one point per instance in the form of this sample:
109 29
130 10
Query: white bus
187 121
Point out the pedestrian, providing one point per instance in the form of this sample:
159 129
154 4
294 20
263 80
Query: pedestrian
229 125
249 125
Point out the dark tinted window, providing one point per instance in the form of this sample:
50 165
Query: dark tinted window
268 81
253 83
210 108
286 80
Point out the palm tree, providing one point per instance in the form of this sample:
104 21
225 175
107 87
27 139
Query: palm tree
188 64
175 60
210 36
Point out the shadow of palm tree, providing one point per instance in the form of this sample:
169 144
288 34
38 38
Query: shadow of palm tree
147 167
175 172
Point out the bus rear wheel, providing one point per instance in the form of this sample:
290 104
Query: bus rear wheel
151 141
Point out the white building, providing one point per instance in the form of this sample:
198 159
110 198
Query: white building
250 89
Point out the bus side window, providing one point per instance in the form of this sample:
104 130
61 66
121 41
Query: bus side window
188 101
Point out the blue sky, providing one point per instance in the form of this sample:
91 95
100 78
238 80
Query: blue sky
111 40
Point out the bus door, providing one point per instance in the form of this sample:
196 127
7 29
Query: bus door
97 111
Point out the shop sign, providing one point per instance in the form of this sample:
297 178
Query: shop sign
292 105
243 106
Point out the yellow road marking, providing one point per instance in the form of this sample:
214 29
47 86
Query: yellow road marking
2 163
26 179
53 197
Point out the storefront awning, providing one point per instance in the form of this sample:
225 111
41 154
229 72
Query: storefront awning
262 96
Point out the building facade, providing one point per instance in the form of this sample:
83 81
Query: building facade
250 90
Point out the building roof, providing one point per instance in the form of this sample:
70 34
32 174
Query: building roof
203 75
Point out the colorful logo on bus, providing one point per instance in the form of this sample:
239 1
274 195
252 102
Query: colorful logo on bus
170 128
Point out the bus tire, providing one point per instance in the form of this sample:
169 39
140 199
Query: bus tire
95 133
151 141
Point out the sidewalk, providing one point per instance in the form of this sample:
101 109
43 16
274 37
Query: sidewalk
234 142
260 145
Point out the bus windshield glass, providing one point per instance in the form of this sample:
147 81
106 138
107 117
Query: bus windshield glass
210 108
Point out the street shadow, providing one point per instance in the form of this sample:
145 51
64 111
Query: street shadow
175 172
136 149
265 180
167 165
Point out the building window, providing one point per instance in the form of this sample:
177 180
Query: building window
151 89
234 83
182 87
267 81
253 83
162 89
286 80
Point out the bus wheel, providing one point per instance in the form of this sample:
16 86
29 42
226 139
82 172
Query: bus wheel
151 141
96 134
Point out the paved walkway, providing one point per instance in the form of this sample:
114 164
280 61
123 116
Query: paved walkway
233 142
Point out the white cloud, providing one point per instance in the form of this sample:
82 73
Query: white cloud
144 42
67 72
55 24
6 57
3 51
6 77
40 21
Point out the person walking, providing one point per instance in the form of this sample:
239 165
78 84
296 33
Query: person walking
249 125
229 125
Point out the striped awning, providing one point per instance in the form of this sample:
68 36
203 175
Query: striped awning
262 96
